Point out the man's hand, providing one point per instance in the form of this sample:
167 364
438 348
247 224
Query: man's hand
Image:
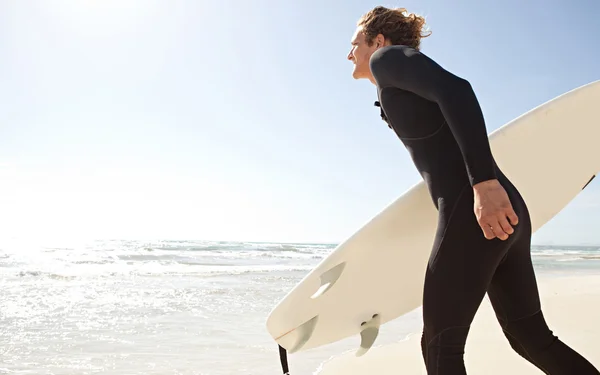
492 209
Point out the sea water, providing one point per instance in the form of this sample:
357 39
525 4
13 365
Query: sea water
172 307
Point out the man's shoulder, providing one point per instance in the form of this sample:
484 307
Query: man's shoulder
389 63
393 60
392 55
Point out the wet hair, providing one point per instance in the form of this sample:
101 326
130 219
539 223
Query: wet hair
395 24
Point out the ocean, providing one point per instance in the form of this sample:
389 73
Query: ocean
172 307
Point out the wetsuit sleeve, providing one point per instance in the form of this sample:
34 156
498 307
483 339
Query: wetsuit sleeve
408 69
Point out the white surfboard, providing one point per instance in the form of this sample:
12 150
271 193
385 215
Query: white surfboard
550 153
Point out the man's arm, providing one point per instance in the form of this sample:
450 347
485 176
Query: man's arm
408 69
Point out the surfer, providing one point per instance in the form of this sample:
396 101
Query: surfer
482 243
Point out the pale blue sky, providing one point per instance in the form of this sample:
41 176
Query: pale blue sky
239 120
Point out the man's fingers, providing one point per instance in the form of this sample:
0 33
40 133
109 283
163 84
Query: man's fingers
498 231
512 216
506 227
492 229
487 231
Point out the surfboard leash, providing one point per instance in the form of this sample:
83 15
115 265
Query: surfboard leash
284 360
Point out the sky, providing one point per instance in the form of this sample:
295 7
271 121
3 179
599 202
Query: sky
240 120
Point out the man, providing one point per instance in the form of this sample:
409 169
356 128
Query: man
482 243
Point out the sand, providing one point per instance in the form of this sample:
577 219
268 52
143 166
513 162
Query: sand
572 309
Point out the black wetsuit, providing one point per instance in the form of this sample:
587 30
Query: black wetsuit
438 118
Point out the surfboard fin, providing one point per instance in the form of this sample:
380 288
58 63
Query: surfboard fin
368 334
303 333
328 278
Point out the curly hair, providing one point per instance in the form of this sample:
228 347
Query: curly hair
396 25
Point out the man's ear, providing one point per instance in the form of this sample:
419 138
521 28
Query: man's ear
380 39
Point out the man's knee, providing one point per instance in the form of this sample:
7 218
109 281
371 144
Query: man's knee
446 339
530 334
445 348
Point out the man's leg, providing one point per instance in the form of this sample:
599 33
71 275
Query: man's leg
460 270
514 295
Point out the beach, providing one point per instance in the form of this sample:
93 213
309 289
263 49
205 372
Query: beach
151 306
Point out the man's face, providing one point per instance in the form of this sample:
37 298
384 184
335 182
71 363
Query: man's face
360 54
